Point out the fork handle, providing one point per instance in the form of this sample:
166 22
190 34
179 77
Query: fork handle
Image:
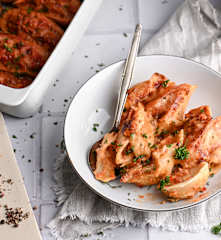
127 75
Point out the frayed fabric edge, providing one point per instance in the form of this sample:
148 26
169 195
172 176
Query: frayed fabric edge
58 187
164 227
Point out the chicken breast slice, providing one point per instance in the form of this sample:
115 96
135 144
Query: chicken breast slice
196 121
163 156
197 178
169 108
203 136
105 156
140 175
124 151
146 91
149 171
210 143
140 128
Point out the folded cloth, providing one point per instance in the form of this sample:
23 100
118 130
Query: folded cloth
193 32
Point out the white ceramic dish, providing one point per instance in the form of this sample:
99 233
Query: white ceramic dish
26 101
95 103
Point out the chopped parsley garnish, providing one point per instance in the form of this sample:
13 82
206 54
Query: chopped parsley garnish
29 10
212 175
216 229
145 135
15 45
169 145
13 136
164 132
119 145
149 144
202 110
154 146
164 84
32 136
123 170
95 125
100 65
181 153
113 143
164 182
124 110
7 47
105 141
148 161
139 157
129 151
175 132
132 134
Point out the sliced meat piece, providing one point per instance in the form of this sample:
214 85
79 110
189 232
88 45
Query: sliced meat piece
14 80
210 144
203 136
146 91
136 136
170 107
144 171
105 164
140 175
34 24
210 139
163 155
195 123
215 160
124 152
20 56
192 183
141 131
215 156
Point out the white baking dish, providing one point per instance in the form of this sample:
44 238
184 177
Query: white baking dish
26 101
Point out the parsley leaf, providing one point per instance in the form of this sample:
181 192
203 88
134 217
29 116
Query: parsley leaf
137 158
129 151
216 229
145 135
164 84
181 153
164 182
7 48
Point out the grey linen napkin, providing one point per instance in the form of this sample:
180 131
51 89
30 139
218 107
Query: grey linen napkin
193 32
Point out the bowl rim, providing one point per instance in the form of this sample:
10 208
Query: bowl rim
100 194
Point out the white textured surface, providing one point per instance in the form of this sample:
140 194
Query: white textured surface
104 43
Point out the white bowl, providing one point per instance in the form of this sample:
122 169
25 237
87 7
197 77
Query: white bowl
95 103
